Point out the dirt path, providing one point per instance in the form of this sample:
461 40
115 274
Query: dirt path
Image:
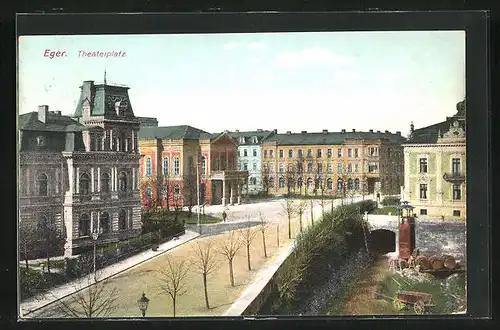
363 300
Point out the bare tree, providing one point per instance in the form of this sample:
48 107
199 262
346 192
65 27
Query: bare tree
228 248
205 262
266 177
92 298
290 211
278 234
301 207
263 227
173 279
26 234
50 239
290 179
248 235
190 193
311 205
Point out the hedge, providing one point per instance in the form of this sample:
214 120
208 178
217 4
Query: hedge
391 201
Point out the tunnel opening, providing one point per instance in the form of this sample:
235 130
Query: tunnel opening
382 241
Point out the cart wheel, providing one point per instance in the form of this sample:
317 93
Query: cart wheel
419 307
397 304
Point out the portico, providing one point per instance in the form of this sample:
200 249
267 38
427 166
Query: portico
231 186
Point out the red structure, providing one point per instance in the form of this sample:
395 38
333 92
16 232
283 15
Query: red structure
406 231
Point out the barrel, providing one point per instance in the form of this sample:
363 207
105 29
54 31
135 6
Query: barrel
423 262
449 262
436 262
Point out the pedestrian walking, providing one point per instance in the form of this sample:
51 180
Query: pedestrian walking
224 215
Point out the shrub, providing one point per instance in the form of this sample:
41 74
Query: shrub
391 201
366 206
33 282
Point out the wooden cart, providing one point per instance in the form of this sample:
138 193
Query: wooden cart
420 301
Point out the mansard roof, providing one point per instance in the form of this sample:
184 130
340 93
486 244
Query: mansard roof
181 132
248 135
102 99
331 138
54 123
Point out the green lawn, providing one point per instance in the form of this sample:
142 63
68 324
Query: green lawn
193 220
386 210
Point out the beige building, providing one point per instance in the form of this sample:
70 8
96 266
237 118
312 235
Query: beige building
435 167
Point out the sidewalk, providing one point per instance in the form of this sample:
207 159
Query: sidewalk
37 302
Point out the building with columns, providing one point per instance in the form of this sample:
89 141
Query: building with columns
336 162
174 157
435 167
249 156
81 172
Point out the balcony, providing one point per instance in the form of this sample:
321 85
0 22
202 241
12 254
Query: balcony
454 177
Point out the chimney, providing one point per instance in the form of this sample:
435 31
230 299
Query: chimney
325 131
387 132
275 131
371 131
303 132
259 129
378 131
343 130
288 132
43 113
398 133
353 130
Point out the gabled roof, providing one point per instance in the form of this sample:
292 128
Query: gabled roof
260 134
54 123
333 138
185 132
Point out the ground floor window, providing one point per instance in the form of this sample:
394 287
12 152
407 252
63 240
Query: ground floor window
84 225
456 213
457 192
423 211
104 220
423 191
122 221
282 183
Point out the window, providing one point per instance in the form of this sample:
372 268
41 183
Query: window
340 184
349 153
84 184
254 152
255 140
148 192
245 152
290 153
40 141
349 168
122 220
203 165
423 211
356 184
339 152
253 181
190 165
356 168
254 166
149 166
245 167
372 168
350 184
457 193
105 183
177 191
299 153
265 153
299 183
309 153
329 168
177 166
281 183
423 191
339 168
329 184
423 165
320 168
42 222
290 168
271 182
456 213
329 153
122 180
309 168
104 222
282 168
319 153
42 182
281 153
356 154
271 155
84 225
309 183
455 166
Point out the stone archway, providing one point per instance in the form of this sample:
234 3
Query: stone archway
383 241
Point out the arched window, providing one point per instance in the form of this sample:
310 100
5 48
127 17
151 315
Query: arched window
356 184
340 184
165 167
281 182
122 179
148 191
104 222
122 220
203 165
177 166
350 184
253 180
84 184
299 183
42 182
105 183
309 183
84 225
149 166
329 184
177 191
271 182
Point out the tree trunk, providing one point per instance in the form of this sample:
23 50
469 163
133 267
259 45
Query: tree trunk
248 257
231 275
264 243
312 212
173 304
206 291
289 228
278 234
300 221
26 255
48 258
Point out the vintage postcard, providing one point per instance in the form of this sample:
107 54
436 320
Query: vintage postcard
243 174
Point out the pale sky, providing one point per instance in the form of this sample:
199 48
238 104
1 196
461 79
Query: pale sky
286 81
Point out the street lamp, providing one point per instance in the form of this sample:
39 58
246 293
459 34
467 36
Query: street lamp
198 194
143 304
95 236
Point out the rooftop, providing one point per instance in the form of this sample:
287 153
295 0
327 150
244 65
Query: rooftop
327 138
55 122
185 132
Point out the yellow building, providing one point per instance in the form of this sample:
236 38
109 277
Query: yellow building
333 163
435 167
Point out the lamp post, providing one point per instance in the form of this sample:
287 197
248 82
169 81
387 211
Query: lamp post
143 304
95 236
198 194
